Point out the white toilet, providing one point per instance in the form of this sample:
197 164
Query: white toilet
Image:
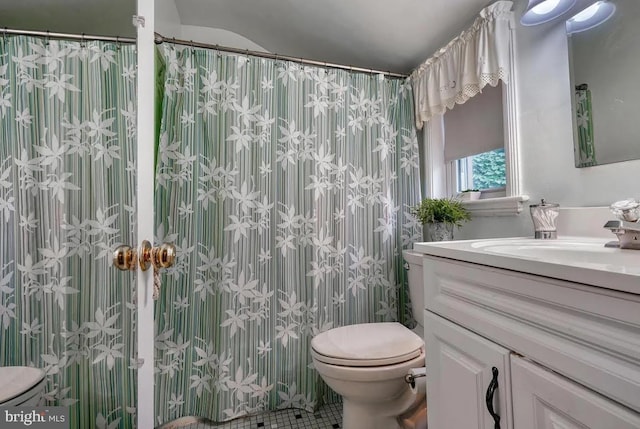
21 386
367 364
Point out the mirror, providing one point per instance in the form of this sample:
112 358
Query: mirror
604 64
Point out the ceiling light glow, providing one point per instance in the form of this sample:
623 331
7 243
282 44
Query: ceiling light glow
591 16
545 7
587 13
541 11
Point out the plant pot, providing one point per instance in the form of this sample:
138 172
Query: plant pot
469 196
438 231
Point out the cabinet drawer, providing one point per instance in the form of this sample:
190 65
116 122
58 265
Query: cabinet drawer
589 334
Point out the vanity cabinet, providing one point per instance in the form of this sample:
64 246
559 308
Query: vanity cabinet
567 354
460 373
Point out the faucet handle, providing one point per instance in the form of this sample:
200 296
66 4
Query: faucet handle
620 226
626 210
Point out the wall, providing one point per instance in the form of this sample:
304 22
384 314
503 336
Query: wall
546 137
167 19
218 36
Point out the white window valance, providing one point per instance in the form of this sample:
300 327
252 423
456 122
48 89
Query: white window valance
459 71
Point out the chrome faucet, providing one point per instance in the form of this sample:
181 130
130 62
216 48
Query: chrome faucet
627 226
628 234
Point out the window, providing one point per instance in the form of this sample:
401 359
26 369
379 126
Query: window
474 144
454 76
485 171
488 159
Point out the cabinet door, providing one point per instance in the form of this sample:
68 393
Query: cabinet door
545 400
459 372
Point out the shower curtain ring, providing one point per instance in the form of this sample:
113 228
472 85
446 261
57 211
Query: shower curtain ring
117 43
82 41
46 39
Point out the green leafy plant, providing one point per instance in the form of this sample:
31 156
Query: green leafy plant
447 210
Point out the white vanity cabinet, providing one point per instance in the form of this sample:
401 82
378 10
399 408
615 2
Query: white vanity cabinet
567 353
461 367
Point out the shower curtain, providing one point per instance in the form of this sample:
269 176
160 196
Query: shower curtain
67 181
287 190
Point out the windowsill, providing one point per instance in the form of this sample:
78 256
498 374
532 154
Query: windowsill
501 206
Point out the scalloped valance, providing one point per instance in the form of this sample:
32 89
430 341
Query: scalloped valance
458 71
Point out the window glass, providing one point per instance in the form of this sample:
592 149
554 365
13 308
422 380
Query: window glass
482 171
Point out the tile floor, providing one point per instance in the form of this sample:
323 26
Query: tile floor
327 417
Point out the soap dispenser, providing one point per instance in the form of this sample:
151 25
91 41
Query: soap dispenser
544 217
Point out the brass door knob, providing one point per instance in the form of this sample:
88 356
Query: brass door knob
145 255
164 255
125 258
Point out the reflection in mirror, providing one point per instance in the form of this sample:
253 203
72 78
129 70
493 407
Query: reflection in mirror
604 66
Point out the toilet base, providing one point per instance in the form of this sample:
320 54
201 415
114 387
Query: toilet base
415 418
357 416
373 397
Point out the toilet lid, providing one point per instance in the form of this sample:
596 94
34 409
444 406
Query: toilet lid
367 344
18 379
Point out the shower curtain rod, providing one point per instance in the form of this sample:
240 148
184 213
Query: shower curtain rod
161 39
68 36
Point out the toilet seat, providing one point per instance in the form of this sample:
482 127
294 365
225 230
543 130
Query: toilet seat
367 345
21 385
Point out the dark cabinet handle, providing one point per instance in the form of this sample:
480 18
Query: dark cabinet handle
490 391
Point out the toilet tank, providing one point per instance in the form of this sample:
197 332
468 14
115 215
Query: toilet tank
416 286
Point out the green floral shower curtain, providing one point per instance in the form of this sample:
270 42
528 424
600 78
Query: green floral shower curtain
287 189
67 180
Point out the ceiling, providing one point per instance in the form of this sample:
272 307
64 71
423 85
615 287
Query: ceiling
389 35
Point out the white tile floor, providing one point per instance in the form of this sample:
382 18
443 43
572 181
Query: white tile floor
327 417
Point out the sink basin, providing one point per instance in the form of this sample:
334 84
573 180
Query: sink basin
587 253
578 259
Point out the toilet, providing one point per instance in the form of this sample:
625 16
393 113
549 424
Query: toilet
368 364
21 386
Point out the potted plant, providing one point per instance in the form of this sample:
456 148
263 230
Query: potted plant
469 195
439 215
